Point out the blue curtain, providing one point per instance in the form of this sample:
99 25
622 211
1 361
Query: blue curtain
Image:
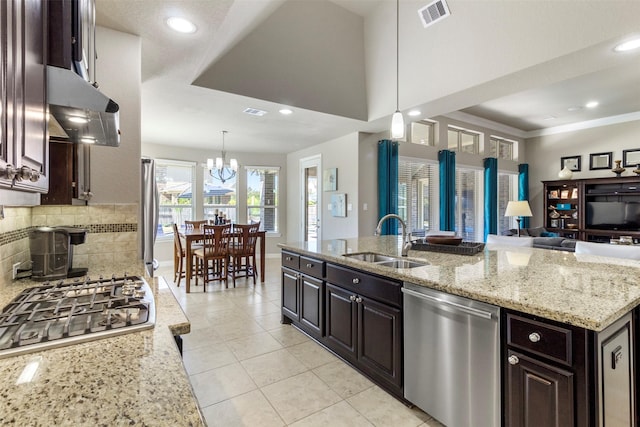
523 189
388 184
447 161
490 196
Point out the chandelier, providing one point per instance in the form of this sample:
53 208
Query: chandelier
220 170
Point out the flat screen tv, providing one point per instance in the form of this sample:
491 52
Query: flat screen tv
613 216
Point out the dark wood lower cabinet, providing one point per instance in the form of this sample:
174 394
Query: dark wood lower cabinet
341 321
290 295
311 307
380 341
356 315
538 394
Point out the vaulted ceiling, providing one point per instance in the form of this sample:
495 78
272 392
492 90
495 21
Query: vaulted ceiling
333 63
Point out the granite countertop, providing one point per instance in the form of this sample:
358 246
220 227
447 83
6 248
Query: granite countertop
132 379
587 291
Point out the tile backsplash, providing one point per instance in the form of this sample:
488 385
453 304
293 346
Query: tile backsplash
112 233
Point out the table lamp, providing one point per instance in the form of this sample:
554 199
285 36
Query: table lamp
518 208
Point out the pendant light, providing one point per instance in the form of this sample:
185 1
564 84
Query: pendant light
397 120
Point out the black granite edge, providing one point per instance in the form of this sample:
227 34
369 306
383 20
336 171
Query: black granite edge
15 235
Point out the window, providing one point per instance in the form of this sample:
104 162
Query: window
507 190
175 185
417 190
462 140
469 212
501 148
262 196
422 133
219 198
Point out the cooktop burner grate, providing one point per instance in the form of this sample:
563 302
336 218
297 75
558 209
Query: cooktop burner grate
67 312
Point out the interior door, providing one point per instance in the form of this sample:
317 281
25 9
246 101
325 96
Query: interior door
311 201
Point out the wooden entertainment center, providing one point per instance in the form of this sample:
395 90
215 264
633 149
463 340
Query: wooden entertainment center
595 210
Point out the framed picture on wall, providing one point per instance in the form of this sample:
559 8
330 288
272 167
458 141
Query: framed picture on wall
339 205
631 157
330 179
571 162
600 161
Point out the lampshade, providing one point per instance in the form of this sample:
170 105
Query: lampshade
518 208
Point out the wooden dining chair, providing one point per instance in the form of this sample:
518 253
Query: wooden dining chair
213 258
179 256
242 252
190 225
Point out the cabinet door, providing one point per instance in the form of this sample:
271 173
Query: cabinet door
290 296
31 94
311 298
6 88
380 340
537 394
341 321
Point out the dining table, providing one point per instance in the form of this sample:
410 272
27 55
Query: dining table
196 234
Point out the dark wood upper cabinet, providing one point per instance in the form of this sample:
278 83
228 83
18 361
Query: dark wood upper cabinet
24 132
60 39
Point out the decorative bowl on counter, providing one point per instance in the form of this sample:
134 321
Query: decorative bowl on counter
443 240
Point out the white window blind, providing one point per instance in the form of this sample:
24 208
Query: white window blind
418 194
469 209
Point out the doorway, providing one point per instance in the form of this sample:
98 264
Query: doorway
311 201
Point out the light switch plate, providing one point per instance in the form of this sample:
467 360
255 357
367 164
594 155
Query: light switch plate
349 207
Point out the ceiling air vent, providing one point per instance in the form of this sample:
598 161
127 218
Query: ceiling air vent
433 12
254 112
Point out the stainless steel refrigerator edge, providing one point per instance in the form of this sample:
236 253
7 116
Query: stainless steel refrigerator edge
150 212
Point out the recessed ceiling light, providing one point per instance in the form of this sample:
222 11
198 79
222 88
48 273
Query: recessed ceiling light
286 111
414 113
628 45
549 118
77 119
574 108
181 25
591 104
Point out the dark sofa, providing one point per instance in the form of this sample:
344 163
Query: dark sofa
544 239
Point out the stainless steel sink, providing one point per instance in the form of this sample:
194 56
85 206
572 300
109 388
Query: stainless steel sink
401 263
370 257
385 260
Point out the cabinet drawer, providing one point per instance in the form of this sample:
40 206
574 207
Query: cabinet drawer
550 341
290 260
382 289
312 267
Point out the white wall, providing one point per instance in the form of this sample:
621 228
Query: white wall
163 250
340 153
115 172
545 153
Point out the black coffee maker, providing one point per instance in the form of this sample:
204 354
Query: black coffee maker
52 252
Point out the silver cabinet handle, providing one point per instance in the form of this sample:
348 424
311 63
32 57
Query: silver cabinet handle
289 258
358 300
355 281
352 298
309 265
513 360
534 337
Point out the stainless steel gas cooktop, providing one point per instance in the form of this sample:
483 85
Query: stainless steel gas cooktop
68 312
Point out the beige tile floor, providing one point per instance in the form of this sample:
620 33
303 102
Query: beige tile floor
247 369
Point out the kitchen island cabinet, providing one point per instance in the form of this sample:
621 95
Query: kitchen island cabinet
567 329
133 379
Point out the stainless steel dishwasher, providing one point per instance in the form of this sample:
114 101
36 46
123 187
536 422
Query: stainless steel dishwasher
452 357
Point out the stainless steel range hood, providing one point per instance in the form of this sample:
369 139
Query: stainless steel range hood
84 113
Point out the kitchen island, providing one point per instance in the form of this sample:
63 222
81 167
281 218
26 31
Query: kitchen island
132 379
590 292
563 349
